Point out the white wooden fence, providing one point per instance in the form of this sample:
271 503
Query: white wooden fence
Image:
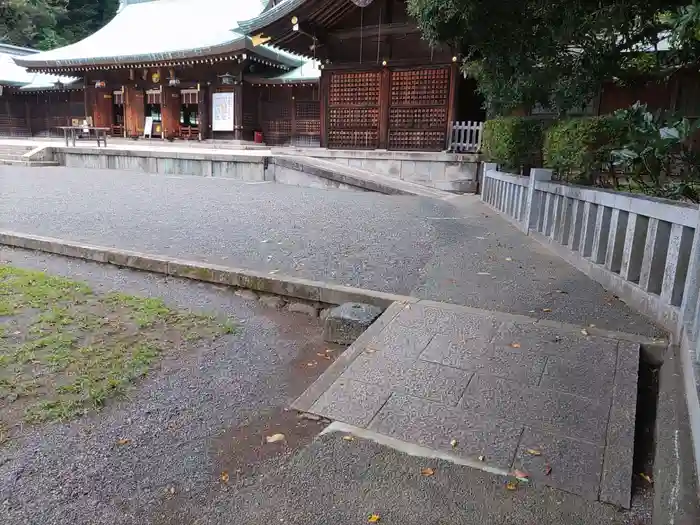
465 137
644 250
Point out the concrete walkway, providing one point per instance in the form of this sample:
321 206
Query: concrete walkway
458 251
496 391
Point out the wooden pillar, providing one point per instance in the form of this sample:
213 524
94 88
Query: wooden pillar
134 110
238 111
28 114
452 99
170 108
384 101
324 86
204 110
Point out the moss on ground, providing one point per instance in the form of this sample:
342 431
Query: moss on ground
65 350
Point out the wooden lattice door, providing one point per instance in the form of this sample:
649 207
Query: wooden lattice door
353 110
419 103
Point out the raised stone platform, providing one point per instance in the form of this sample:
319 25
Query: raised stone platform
500 391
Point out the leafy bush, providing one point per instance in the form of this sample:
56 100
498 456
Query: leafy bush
657 153
579 150
513 142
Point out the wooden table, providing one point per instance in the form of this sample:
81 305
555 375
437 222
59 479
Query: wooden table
73 131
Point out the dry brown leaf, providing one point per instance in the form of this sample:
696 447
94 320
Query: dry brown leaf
373 518
515 345
547 470
311 364
534 452
224 477
348 438
427 472
123 441
453 443
275 438
511 485
324 356
546 309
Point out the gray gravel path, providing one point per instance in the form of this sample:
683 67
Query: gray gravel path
209 411
457 252
191 419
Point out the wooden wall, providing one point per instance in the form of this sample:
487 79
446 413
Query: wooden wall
389 108
13 116
289 115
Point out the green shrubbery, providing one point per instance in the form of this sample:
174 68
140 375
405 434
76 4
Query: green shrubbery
579 150
513 142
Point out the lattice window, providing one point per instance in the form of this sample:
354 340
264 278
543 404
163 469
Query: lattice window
420 87
306 110
353 118
354 89
417 140
366 139
418 117
189 96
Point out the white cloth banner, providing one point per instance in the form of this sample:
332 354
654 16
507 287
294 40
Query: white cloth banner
222 112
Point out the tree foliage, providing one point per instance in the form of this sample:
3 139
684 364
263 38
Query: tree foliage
45 24
557 53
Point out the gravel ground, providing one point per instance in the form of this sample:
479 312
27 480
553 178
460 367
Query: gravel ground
190 420
459 252
209 412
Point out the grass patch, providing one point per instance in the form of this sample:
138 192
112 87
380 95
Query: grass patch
65 350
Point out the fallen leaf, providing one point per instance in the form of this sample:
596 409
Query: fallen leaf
511 486
224 477
373 518
534 452
275 438
453 443
483 273
547 470
562 291
265 240
521 475
310 417
324 356
645 477
172 490
123 441
482 458
311 364
427 472
584 331
329 350
274 272
348 438
515 345
546 309
370 350
508 259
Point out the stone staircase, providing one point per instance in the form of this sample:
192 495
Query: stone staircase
13 155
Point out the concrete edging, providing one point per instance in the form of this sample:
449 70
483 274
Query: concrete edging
282 285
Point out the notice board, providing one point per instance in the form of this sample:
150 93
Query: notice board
222 112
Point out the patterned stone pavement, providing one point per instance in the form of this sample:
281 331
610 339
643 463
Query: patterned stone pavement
501 392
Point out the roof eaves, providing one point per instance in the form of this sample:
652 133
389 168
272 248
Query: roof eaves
239 43
268 17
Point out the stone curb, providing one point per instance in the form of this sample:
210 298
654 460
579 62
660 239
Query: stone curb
306 400
286 286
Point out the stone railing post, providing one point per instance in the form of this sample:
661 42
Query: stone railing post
536 174
690 307
486 185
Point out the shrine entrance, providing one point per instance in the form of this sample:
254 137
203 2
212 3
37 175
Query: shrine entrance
153 109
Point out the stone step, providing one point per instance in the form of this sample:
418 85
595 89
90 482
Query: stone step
7 160
357 177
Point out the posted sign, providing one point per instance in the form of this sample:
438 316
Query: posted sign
222 112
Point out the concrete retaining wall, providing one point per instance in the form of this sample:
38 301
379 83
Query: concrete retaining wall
444 171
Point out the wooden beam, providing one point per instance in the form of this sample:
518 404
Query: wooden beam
374 31
384 102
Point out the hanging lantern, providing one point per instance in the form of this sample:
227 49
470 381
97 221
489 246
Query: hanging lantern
361 3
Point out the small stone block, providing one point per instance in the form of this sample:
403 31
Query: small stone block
346 322
273 301
303 308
